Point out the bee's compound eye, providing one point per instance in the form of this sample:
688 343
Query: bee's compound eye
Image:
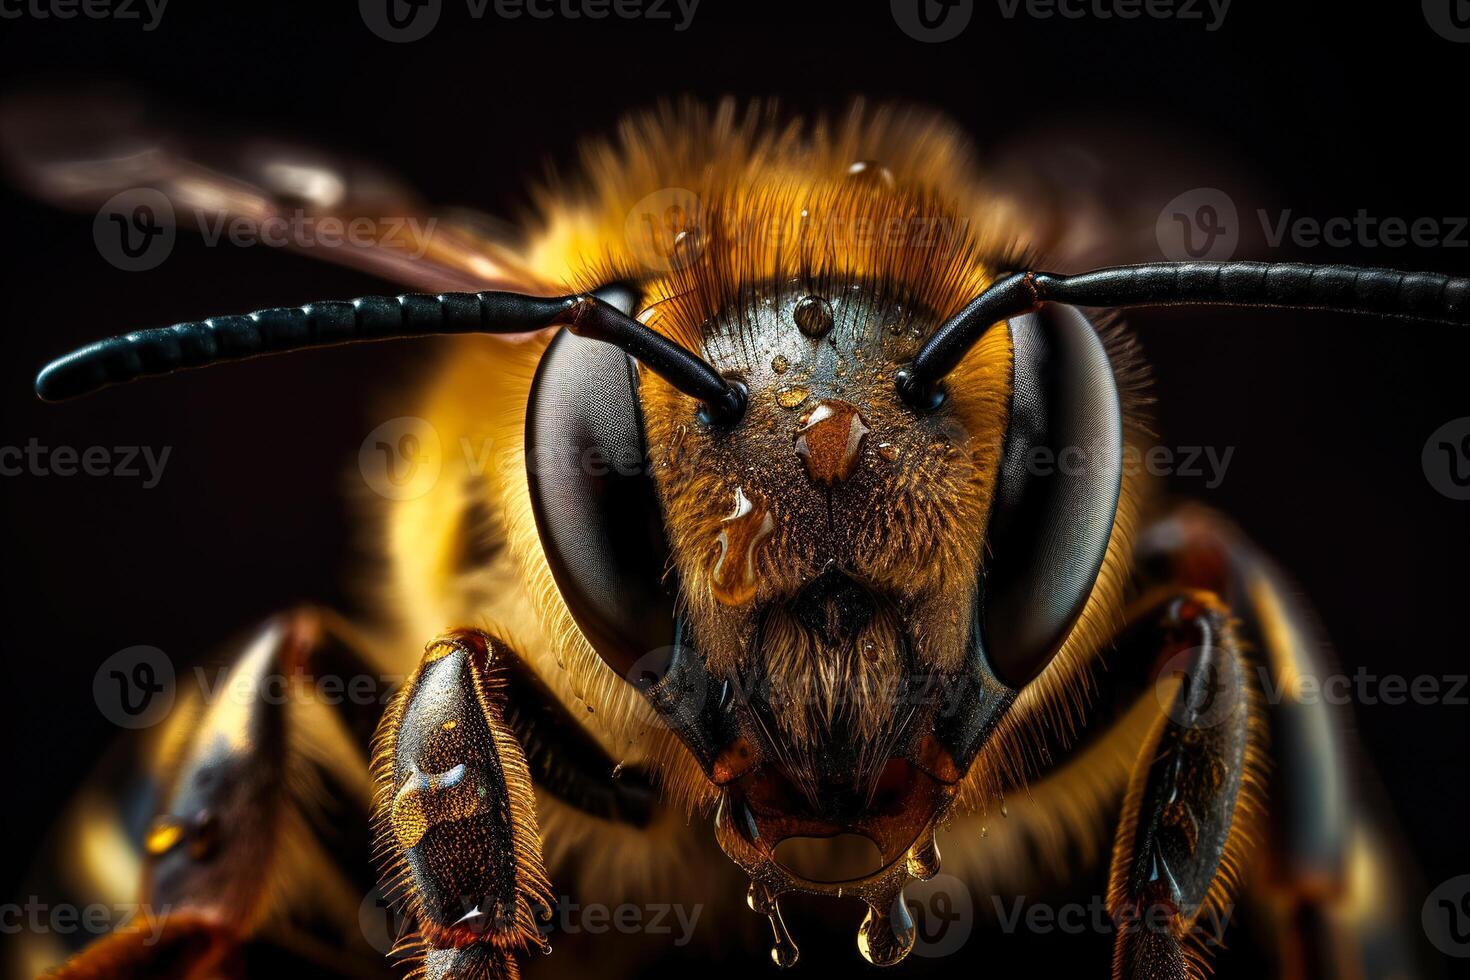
1050 524
594 501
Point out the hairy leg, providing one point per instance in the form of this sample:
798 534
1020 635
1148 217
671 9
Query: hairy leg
456 815
1329 883
1194 795
254 777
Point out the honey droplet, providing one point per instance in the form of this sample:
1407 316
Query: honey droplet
888 451
887 934
923 859
163 836
813 316
791 396
830 441
733 579
779 364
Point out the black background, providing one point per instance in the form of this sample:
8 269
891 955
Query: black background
1328 108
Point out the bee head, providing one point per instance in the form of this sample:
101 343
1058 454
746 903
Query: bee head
834 597
824 543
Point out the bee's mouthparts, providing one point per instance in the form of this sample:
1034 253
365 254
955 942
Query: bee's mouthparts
749 835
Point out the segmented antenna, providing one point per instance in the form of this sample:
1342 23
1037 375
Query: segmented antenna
1286 285
200 343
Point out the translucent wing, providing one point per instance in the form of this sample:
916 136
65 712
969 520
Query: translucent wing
80 152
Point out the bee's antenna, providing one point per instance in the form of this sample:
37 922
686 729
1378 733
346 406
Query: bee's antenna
199 343
1340 288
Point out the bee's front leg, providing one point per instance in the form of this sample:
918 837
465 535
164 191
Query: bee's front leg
248 775
456 816
1192 795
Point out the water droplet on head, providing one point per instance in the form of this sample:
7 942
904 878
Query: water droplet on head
813 316
779 364
792 396
733 578
830 441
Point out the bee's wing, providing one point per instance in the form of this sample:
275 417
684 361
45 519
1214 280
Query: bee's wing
1099 194
79 152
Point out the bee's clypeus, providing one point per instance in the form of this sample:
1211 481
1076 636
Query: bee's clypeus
773 553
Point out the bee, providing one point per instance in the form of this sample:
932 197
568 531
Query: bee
808 520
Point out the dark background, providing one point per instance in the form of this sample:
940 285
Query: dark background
1327 109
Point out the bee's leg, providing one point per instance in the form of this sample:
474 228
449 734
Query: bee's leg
455 814
1328 884
1192 794
254 774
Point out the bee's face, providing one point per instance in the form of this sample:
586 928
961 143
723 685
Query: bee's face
827 547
